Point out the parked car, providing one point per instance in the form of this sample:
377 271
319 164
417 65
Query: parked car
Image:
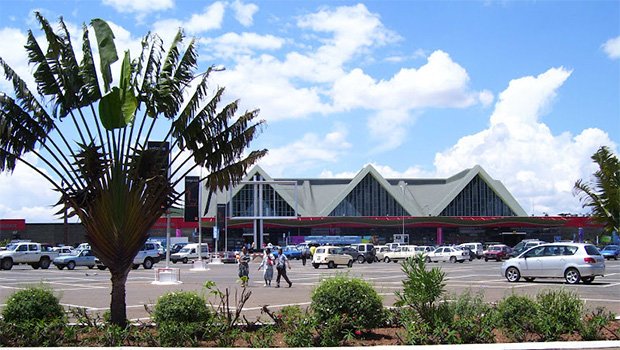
525 245
393 246
497 252
611 252
64 250
380 251
189 252
331 256
451 254
401 253
475 250
146 257
355 254
82 258
291 252
228 257
573 261
367 250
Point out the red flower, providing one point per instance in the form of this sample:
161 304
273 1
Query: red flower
358 332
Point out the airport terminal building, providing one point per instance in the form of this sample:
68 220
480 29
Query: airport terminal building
468 206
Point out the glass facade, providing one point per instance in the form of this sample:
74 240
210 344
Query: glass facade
272 204
477 199
369 198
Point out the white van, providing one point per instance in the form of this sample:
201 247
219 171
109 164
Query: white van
189 252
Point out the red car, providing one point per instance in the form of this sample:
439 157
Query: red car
497 252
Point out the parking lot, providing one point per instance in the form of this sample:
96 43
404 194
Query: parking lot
90 289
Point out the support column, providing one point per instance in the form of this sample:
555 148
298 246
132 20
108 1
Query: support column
439 236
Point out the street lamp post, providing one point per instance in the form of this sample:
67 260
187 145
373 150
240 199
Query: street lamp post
402 187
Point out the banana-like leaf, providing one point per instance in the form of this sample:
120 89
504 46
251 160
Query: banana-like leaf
118 108
107 49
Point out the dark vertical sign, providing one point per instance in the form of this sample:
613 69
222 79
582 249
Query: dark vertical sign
191 198
164 151
220 218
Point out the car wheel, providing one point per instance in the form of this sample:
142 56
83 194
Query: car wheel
35 266
350 263
60 267
513 274
386 259
101 267
90 267
572 276
453 259
529 279
148 264
428 260
7 264
45 263
174 261
71 265
486 259
135 266
316 266
587 280
462 261
370 261
360 259
331 265
184 260
498 259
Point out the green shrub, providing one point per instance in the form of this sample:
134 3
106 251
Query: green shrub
516 316
261 337
33 333
422 289
33 304
181 307
180 334
473 320
561 313
353 300
297 326
593 324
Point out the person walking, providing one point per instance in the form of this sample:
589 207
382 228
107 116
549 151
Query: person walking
244 267
267 263
282 261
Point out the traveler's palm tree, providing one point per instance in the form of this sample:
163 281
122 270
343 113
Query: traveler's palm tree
603 196
93 136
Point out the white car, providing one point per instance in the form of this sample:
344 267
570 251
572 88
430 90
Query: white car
475 248
572 261
451 254
190 252
401 253
380 251
331 256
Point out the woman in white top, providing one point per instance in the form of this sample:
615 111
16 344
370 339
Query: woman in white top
267 263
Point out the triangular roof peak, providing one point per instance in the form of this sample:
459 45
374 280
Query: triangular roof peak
368 169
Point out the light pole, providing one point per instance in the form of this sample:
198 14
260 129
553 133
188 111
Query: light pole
402 187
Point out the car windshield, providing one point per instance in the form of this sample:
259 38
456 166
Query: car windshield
495 248
185 250
11 247
611 247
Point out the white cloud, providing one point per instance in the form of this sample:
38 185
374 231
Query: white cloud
13 53
140 7
307 152
244 13
537 167
26 195
210 19
612 48
385 170
231 45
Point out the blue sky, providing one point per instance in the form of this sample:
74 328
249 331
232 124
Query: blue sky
529 90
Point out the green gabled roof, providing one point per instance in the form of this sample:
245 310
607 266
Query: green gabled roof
318 197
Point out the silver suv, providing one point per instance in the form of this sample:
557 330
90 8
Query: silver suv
147 256
573 261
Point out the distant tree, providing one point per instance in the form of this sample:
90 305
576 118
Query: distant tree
603 195
108 177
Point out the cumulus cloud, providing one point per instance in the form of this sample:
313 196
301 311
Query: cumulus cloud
308 152
538 167
140 7
612 48
211 18
26 195
244 13
231 45
385 170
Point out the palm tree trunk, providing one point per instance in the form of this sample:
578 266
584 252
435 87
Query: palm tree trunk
118 309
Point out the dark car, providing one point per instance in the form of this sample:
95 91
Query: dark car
355 254
611 252
176 247
497 252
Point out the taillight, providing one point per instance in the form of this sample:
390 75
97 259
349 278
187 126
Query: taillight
589 260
